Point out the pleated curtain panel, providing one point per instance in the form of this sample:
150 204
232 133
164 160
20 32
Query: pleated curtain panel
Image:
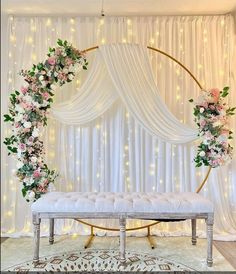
126 123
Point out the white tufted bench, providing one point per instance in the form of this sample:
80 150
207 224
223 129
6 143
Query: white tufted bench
122 206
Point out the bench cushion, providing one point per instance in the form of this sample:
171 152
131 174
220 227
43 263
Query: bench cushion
137 202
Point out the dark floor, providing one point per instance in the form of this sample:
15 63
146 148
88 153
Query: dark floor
227 249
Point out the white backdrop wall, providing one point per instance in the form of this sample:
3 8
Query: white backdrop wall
113 153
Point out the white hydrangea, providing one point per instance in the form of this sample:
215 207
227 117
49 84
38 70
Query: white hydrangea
27 124
35 132
19 164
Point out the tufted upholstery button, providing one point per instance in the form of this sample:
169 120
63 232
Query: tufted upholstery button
187 202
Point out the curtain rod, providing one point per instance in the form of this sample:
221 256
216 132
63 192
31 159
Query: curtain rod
113 16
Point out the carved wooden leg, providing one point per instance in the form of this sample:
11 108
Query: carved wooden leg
209 223
122 240
194 231
51 231
36 223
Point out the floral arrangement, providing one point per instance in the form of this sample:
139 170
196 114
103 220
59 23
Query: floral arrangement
212 118
28 114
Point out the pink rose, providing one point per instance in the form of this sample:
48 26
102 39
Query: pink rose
225 132
45 95
52 61
68 61
31 139
202 123
26 129
22 147
24 89
215 93
17 125
36 173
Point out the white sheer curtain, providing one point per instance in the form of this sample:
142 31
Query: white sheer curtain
114 153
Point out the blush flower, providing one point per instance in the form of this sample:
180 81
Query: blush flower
36 173
52 61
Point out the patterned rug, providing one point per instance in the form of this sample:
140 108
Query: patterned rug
100 260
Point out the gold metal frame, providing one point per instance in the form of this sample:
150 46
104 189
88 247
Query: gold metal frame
92 226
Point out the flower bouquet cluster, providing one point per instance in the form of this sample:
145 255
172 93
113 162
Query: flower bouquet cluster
28 114
212 118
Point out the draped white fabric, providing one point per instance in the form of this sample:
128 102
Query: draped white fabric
113 152
129 69
95 96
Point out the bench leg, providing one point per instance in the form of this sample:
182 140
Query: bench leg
36 223
51 231
194 231
209 223
122 240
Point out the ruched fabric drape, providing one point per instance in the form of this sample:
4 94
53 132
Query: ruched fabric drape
113 152
124 70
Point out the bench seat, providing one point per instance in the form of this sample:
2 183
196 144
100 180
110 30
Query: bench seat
110 205
134 202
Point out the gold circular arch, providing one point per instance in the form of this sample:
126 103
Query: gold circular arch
201 185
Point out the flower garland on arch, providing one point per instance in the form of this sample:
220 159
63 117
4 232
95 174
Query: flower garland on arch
212 118
28 114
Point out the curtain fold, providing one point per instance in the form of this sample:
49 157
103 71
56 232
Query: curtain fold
129 68
95 96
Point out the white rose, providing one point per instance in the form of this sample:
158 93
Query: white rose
45 103
205 141
217 123
30 195
27 124
43 83
65 70
71 76
53 87
35 132
19 164
34 159
202 110
19 109
71 68
41 77
36 104
18 118
77 66
202 153
28 98
55 74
